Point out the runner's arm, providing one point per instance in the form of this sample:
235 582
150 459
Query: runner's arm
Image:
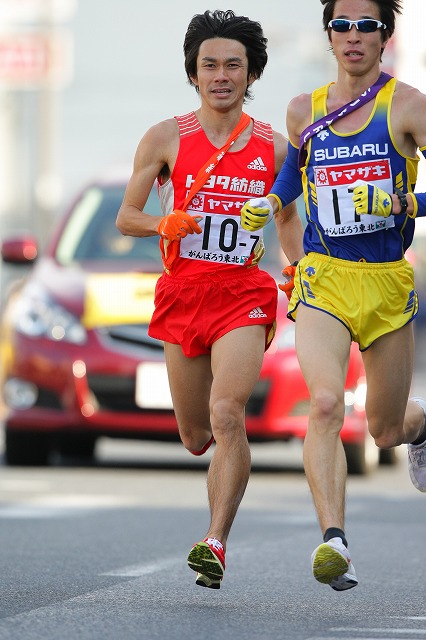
410 120
417 201
153 153
290 232
288 184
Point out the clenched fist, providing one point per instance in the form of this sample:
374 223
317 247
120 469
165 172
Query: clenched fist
370 199
178 224
288 273
256 213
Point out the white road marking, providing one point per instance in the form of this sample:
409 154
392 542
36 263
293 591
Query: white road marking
379 630
137 570
60 505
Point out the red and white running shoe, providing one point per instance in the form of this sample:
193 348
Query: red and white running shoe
207 558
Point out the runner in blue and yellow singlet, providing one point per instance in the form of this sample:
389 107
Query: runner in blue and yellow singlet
353 153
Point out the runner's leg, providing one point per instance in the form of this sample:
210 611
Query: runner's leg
323 345
190 382
236 363
392 420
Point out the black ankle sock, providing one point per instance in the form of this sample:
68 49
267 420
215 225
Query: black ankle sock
421 438
422 435
334 532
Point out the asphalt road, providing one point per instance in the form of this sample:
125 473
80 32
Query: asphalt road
99 553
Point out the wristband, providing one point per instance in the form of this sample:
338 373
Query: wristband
415 206
277 200
402 200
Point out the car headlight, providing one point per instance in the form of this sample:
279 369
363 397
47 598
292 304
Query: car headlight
38 316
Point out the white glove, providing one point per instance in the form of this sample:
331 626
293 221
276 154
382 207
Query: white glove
256 213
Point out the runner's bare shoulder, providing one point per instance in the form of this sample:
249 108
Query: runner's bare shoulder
299 113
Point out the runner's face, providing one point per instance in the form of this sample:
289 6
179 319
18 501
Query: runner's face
355 51
222 66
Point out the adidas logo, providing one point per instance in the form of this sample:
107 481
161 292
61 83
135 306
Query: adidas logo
257 313
257 164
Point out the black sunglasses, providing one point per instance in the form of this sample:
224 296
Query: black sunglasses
365 26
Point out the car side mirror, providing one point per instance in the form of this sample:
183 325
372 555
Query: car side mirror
19 250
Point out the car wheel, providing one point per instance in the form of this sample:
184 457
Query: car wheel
77 446
27 449
363 457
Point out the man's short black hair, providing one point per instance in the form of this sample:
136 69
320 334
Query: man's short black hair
225 24
388 11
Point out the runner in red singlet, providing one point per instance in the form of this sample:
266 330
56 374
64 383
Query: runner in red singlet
215 309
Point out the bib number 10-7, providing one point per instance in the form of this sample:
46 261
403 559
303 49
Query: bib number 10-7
222 240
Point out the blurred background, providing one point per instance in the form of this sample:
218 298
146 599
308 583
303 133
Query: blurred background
81 81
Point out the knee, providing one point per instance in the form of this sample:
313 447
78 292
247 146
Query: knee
327 410
386 435
196 439
226 417
204 448
386 441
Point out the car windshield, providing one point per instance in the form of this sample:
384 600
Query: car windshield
90 234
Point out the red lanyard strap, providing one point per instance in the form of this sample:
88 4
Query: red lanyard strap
170 248
212 162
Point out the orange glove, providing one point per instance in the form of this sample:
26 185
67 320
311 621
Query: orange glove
288 274
178 224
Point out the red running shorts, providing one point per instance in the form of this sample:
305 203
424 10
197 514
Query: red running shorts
198 311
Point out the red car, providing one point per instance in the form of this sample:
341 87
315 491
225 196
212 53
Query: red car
78 362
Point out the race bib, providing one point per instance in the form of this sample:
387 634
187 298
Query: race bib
334 188
222 240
